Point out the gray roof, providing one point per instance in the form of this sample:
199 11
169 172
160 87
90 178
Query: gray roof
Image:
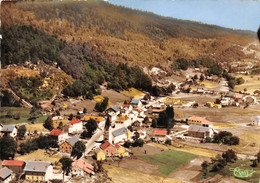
119 131
8 128
37 166
5 172
135 101
256 118
73 140
115 108
195 128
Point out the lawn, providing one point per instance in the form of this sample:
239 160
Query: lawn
241 169
169 160
24 115
174 101
208 84
38 126
121 175
252 83
132 93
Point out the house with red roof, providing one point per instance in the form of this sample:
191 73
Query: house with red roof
80 166
199 121
16 166
75 126
160 135
109 149
59 135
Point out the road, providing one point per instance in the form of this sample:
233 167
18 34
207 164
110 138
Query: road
91 143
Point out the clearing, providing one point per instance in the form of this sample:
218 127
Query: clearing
169 160
121 175
39 127
208 84
132 93
252 83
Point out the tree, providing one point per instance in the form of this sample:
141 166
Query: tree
84 134
21 131
71 116
229 155
8 147
33 114
101 106
28 146
91 126
85 110
204 166
66 165
78 149
48 123
258 157
258 33
108 122
127 144
154 123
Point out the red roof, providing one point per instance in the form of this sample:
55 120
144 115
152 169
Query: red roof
202 120
13 163
160 132
126 105
56 132
237 95
117 146
104 145
75 121
157 110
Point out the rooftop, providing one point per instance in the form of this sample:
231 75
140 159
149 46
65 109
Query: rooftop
160 132
5 172
115 108
75 121
56 132
37 166
73 140
121 119
96 118
104 145
83 165
8 128
135 101
119 131
13 163
202 120
198 128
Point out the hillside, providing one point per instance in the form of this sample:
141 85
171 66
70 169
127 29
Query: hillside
120 34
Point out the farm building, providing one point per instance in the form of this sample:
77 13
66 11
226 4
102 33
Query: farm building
160 135
75 126
16 166
38 171
10 130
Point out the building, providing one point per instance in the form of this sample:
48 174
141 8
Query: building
200 131
59 135
120 135
160 135
10 130
6 175
108 149
75 126
100 155
100 120
16 166
121 151
79 167
38 171
255 121
136 102
123 120
199 121
68 145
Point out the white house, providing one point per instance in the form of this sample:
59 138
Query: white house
9 130
120 135
127 108
38 171
75 126
6 175
59 135
255 121
136 102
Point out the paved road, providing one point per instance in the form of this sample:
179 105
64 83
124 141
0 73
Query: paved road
92 142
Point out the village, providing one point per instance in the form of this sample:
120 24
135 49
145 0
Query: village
116 133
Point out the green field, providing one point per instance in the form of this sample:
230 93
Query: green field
240 169
24 114
169 160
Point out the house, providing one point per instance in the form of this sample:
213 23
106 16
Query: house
75 126
200 131
38 171
68 145
136 102
108 149
120 135
255 121
121 151
6 175
100 155
59 135
160 135
127 108
9 130
16 166
100 120
59 120
225 101
79 167
234 95
199 121
124 120
113 112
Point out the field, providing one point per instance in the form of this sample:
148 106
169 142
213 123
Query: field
121 175
100 98
186 148
24 115
249 143
174 101
132 93
169 160
224 125
252 83
40 155
39 127
240 169
208 84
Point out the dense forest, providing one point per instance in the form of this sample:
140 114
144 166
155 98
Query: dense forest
116 19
